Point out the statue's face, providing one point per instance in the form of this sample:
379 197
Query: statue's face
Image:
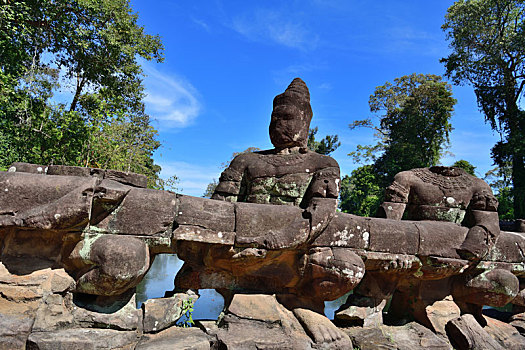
289 125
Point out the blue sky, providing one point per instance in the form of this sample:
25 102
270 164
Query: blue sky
226 60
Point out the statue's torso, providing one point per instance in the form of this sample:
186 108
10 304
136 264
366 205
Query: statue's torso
269 178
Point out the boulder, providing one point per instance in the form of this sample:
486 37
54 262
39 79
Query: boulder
465 333
411 336
440 312
505 334
260 322
82 339
161 313
176 338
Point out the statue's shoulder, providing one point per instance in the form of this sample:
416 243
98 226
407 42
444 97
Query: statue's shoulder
321 161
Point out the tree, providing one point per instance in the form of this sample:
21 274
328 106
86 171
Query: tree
487 38
499 180
412 132
413 128
326 146
465 165
90 47
361 193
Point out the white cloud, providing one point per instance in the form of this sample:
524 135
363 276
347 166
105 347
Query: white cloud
170 100
280 28
193 178
201 24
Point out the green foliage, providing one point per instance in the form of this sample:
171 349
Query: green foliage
487 38
210 188
465 165
88 47
361 193
186 319
412 132
326 146
499 180
413 126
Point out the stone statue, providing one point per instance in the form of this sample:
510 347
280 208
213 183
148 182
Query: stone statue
291 174
442 193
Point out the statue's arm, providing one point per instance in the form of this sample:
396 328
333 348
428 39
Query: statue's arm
483 222
320 201
231 184
396 197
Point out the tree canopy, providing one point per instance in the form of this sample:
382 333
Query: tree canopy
487 38
413 126
326 146
71 87
413 129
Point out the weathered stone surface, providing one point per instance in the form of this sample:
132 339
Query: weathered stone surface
161 313
44 202
330 273
345 231
289 132
466 333
27 168
16 320
143 212
118 263
494 288
360 311
82 339
198 234
259 307
257 225
176 338
387 237
411 336
127 178
518 322
505 248
440 313
53 314
505 334
440 239
69 170
118 312
260 322
217 216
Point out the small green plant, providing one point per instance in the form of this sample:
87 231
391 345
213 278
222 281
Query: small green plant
186 320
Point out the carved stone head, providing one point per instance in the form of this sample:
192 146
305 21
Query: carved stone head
291 116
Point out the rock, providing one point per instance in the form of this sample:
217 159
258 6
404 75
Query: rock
260 322
21 301
518 321
466 333
440 312
176 338
15 324
505 334
411 336
82 339
53 314
117 312
118 264
360 310
495 287
28 168
256 307
161 313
